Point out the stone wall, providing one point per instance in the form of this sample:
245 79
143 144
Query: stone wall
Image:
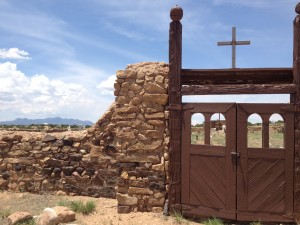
124 155
39 163
141 136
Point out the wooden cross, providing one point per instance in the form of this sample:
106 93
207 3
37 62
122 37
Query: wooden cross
233 43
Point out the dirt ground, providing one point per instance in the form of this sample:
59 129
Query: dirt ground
105 214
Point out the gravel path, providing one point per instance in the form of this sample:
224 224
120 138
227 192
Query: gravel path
106 210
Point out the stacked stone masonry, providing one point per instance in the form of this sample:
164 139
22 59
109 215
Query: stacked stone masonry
124 155
42 163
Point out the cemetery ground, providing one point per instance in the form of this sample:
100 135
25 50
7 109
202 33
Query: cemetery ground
105 212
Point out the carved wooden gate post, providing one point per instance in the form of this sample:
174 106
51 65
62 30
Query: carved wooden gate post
296 100
175 49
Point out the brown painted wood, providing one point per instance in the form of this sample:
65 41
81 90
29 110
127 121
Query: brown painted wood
212 182
242 162
275 217
266 153
175 48
238 89
185 158
296 99
207 128
264 186
265 130
208 172
207 150
262 108
237 76
264 175
207 108
289 143
209 212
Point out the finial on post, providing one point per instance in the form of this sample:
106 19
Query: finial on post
297 8
176 13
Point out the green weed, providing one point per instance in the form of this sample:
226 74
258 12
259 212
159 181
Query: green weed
79 206
5 213
178 217
213 221
256 223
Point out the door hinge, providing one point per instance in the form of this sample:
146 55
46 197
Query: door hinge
177 107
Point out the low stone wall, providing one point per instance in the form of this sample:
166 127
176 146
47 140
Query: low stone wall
38 163
124 155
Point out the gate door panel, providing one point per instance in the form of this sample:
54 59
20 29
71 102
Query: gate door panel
235 180
265 175
209 171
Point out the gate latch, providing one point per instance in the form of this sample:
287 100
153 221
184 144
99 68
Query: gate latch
235 154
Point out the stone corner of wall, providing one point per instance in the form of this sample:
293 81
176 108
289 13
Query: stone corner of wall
141 136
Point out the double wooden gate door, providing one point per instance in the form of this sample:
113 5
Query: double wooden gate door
235 181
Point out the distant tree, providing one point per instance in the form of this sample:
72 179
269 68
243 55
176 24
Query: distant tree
279 122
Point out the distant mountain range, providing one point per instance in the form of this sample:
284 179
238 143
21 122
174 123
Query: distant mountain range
54 120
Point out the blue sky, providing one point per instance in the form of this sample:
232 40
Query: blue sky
59 57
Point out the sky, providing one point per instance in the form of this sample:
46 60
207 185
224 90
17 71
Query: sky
60 57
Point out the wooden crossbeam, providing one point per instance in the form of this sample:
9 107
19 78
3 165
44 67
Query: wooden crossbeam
238 89
237 76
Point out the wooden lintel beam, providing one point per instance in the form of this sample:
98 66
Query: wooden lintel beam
237 76
237 71
238 89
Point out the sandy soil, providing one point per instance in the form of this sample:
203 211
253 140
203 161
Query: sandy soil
106 210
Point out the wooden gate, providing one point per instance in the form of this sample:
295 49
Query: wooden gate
232 180
208 172
239 182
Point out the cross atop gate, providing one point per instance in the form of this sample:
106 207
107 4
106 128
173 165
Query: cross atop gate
233 43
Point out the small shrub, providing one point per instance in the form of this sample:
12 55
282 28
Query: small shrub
90 207
79 206
213 221
64 203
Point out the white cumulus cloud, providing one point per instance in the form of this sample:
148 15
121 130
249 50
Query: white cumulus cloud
106 87
13 53
38 94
